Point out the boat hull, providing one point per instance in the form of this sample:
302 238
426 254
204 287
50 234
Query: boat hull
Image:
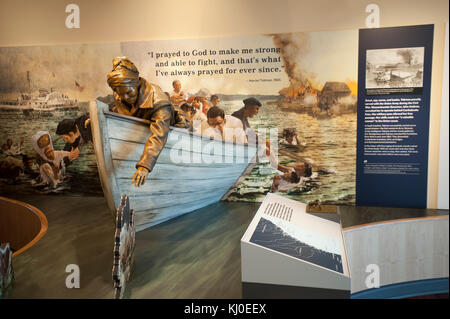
191 171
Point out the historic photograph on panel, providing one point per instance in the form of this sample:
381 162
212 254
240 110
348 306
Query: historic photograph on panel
394 68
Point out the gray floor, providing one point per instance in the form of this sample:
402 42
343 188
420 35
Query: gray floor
194 256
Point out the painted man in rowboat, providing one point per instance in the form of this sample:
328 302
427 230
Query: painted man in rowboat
177 97
134 96
250 109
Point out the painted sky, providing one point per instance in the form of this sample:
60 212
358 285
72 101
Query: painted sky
57 67
326 56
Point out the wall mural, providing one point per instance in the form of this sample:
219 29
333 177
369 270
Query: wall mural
300 87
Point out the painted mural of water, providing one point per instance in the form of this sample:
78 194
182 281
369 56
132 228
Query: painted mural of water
330 145
81 176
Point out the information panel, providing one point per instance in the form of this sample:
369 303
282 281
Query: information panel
394 78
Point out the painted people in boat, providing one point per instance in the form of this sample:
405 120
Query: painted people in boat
200 103
199 120
214 100
195 116
134 96
177 97
76 133
250 109
224 127
189 110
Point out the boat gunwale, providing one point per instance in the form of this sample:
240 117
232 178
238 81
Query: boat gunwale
140 121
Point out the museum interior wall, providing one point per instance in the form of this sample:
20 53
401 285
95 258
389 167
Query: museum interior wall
35 32
25 23
443 153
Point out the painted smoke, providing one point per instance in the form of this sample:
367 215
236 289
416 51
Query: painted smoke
305 94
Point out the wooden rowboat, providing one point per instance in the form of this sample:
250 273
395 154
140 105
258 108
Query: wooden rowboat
191 172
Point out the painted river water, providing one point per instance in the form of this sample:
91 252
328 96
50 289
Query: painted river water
330 146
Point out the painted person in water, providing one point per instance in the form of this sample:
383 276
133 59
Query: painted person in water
291 178
10 149
285 182
51 162
290 137
76 133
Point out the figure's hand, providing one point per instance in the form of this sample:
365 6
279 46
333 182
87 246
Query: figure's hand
74 153
55 169
275 183
267 147
139 177
117 97
87 122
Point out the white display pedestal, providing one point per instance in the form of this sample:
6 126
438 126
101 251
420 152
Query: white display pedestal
287 253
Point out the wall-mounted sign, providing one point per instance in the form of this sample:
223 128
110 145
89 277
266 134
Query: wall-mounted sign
394 80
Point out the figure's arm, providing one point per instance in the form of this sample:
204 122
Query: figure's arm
55 169
296 138
275 183
174 98
70 154
159 130
84 127
283 168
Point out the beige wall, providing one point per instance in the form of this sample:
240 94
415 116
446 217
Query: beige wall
43 22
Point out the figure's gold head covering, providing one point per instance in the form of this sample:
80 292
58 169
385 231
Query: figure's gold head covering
124 73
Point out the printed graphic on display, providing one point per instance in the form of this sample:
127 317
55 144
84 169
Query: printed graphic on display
298 242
